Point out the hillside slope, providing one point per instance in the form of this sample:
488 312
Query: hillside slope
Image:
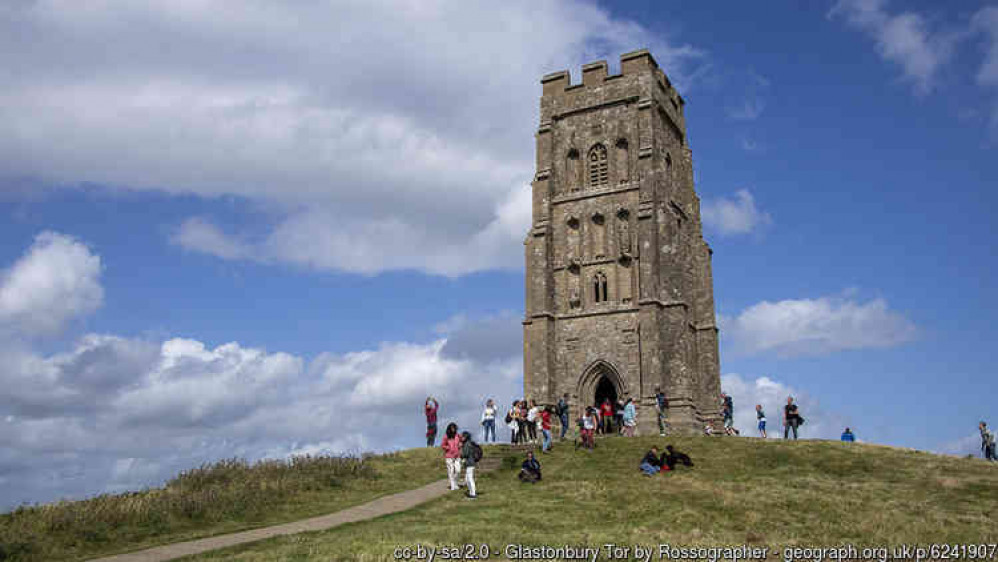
741 491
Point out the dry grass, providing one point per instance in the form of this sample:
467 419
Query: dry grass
741 491
215 498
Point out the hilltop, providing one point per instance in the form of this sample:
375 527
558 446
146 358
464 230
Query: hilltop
741 491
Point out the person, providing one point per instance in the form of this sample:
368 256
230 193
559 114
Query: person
544 417
671 457
451 444
791 418
532 421
606 415
660 405
629 418
530 470
430 409
618 416
987 442
761 416
563 414
489 421
513 422
651 464
589 423
848 436
468 453
728 411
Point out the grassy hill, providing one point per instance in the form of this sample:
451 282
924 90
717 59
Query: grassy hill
741 491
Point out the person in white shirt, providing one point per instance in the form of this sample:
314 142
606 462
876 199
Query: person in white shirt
489 421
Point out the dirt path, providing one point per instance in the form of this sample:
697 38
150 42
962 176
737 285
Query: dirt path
381 506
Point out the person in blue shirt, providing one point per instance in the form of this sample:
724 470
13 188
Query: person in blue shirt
848 436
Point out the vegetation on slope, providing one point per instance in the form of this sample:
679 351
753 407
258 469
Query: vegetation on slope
741 491
223 497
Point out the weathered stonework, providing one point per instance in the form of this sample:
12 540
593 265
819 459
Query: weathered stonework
619 293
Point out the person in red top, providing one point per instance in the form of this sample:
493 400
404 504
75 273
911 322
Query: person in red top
606 411
451 444
545 415
430 409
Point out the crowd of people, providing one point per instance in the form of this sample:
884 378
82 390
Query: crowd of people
530 422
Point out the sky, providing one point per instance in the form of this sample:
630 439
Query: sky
263 229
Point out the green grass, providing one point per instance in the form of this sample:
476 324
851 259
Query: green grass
219 498
741 491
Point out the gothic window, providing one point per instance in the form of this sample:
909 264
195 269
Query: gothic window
599 287
597 166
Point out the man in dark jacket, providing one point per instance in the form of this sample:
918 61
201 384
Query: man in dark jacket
651 463
530 470
563 414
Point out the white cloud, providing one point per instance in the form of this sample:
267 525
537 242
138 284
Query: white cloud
736 215
379 135
819 423
57 280
817 326
902 38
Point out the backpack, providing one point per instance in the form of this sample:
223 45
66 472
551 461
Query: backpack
476 451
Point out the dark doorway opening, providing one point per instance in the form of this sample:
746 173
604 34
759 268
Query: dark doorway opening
605 389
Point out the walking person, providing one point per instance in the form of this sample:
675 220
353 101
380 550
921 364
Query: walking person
451 444
987 442
470 455
544 417
618 416
430 409
791 418
761 416
563 414
489 421
660 405
629 418
728 411
606 416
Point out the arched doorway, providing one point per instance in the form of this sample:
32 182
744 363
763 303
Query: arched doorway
601 380
604 390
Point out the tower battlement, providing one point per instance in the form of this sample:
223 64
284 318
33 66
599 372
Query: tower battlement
596 74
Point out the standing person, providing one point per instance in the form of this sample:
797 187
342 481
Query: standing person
606 415
489 421
848 436
469 454
728 410
532 421
589 424
987 442
545 419
618 416
563 414
791 418
451 444
430 409
629 417
513 422
660 404
761 416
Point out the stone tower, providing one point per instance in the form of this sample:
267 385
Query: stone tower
619 293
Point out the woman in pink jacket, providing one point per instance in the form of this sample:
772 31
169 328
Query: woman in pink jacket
451 445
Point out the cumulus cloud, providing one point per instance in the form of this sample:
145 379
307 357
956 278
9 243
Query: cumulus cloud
116 413
902 38
734 215
404 140
819 423
753 100
817 326
55 281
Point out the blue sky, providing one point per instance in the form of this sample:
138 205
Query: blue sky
276 230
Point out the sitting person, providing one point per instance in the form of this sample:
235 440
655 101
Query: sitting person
651 463
672 457
530 470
